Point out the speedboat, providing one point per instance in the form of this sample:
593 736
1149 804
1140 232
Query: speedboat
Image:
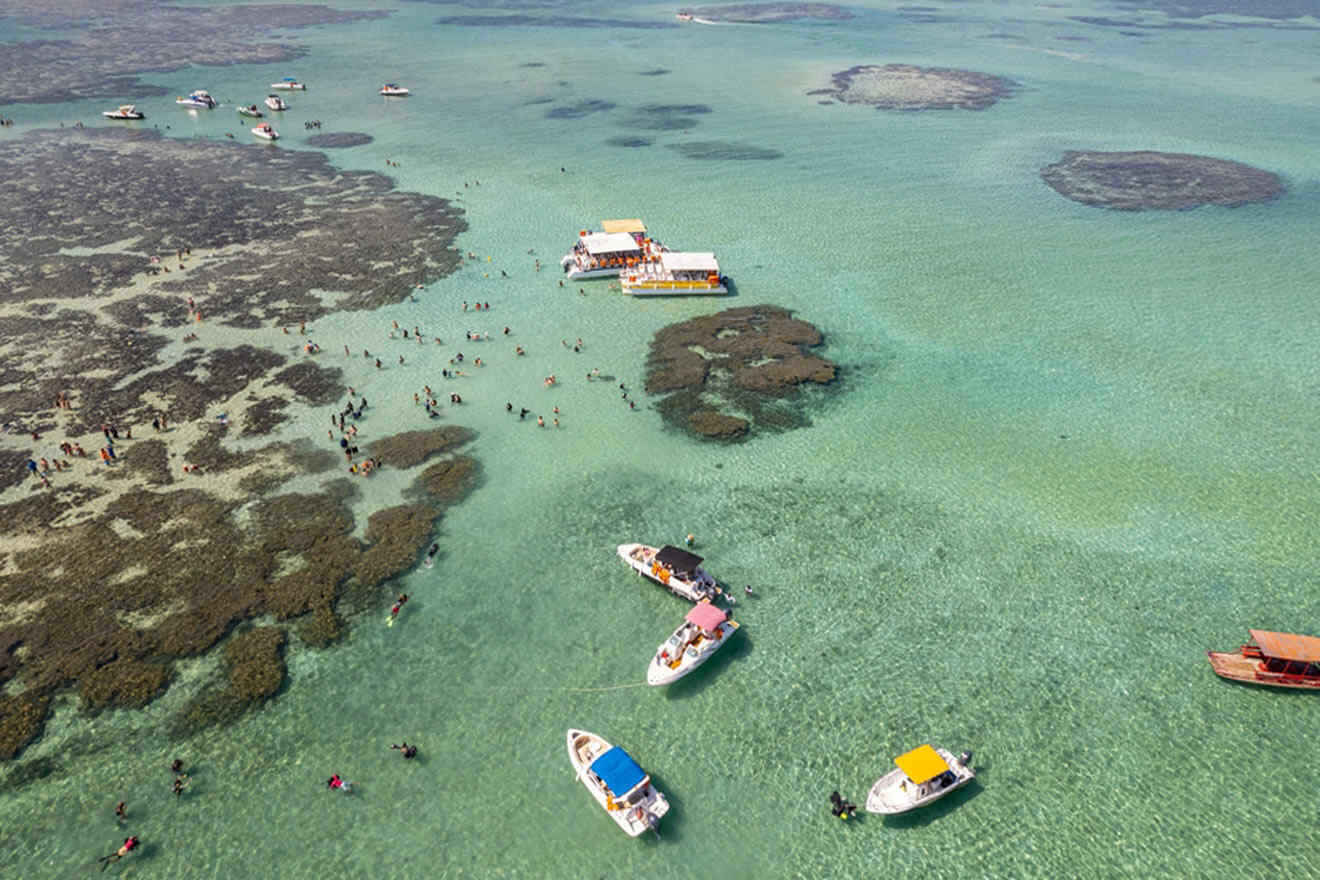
393 90
703 631
289 83
125 111
620 245
621 787
250 110
673 568
200 100
275 102
674 273
266 132
924 775
683 16
1272 658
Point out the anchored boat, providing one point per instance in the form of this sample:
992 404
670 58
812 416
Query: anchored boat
1272 658
703 631
199 100
619 246
674 273
265 132
289 83
394 90
617 783
924 775
275 102
124 111
671 567
251 111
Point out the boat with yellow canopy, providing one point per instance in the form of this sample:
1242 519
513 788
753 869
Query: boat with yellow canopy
1272 658
924 775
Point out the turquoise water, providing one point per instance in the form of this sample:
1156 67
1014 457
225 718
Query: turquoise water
1070 451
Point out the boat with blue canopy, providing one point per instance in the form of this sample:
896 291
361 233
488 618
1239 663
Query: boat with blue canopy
617 782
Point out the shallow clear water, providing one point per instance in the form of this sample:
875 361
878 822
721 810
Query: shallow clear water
1070 451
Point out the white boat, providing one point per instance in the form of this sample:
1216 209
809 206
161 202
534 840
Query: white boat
199 99
289 83
683 16
621 787
266 132
124 111
393 90
674 273
671 567
924 775
251 111
703 631
620 245
275 102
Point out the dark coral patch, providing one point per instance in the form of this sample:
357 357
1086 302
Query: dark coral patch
339 140
628 141
724 151
1146 180
579 110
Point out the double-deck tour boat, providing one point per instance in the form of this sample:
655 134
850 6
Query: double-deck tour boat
703 631
924 775
198 100
265 132
275 102
289 83
674 273
671 567
394 90
619 246
251 110
124 111
1274 659
621 787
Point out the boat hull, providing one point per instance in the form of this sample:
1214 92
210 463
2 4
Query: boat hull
674 288
1233 666
583 748
893 793
110 114
289 87
250 113
663 671
639 558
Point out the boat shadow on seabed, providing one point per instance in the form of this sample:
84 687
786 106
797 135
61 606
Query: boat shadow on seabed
709 672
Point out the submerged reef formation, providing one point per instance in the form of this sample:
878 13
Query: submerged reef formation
117 39
908 87
1146 180
338 140
766 13
729 373
110 570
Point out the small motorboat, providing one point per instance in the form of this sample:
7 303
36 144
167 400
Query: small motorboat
124 111
198 100
703 631
393 90
265 132
621 787
289 83
673 568
275 102
924 775
251 110
683 16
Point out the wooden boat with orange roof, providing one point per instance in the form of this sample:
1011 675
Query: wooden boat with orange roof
1272 658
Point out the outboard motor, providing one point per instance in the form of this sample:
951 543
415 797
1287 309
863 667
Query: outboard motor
965 758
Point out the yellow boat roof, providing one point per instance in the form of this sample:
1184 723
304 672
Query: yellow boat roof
922 764
632 226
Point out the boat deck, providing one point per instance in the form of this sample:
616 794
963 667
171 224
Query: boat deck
1239 668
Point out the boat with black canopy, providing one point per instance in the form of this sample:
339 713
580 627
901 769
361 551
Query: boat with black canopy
673 568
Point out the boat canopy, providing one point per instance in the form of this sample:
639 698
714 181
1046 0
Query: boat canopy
630 226
922 764
678 560
1286 646
610 243
618 771
677 261
706 616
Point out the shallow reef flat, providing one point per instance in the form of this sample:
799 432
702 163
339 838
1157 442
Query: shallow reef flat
125 37
111 571
1147 180
768 13
908 87
733 372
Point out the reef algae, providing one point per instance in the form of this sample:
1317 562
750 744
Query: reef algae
1146 180
748 360
909 87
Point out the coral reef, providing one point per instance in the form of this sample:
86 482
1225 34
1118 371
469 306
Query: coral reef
1146 180
908 87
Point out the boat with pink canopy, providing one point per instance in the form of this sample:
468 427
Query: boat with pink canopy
702 632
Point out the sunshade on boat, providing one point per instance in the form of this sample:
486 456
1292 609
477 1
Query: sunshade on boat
1286 646
680 561
618 771
629 226
706 616
922 764
610 243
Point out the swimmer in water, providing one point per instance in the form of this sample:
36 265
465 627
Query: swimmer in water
128 846
748 590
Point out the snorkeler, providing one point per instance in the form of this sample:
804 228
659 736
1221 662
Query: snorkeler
128 846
